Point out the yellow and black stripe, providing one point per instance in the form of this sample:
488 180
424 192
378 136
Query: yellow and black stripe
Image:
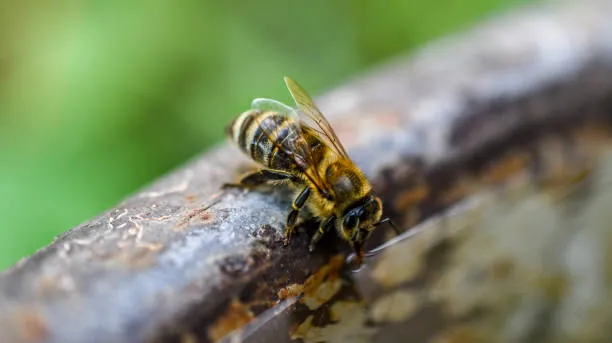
271 139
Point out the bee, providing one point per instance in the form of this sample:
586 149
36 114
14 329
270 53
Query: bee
300 147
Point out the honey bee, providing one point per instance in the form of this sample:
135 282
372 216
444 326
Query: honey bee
300 147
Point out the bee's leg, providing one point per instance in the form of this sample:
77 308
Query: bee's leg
391 223
297 204
325 226
260 177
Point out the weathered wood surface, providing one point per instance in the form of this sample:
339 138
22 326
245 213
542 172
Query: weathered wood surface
506 126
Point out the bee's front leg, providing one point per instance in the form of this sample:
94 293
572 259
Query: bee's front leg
260 177
297 204
325 226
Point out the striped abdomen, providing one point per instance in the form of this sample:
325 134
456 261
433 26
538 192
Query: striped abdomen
271 139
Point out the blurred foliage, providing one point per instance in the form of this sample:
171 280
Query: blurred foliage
98 98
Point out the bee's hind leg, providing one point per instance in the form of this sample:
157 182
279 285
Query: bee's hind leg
260 177
297 204
325 226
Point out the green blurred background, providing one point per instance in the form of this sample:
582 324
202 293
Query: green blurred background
98 98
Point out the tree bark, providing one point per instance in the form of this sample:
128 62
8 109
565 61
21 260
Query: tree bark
491 149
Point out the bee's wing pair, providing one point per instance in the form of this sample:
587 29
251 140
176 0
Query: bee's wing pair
307 107
306 112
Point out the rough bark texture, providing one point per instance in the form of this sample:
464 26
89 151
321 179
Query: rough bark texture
495 144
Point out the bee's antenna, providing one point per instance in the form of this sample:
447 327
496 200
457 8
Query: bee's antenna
391 223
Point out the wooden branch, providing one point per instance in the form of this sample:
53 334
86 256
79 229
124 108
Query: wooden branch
507 127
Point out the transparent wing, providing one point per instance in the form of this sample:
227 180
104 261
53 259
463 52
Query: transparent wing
264 105
307 107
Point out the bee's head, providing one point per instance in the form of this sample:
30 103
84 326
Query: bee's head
359 220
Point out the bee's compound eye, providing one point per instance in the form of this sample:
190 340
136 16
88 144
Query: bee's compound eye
350 221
